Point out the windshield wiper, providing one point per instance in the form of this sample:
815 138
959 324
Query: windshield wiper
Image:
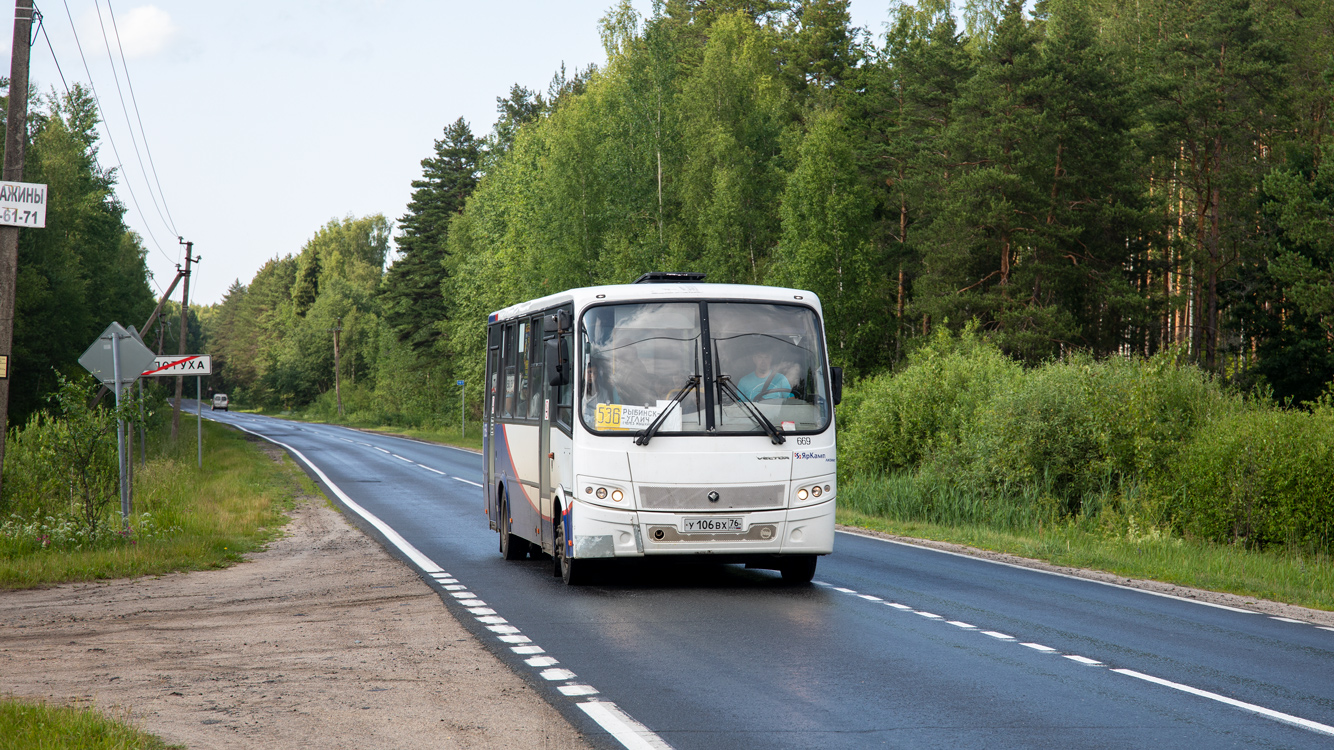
646 434
752 409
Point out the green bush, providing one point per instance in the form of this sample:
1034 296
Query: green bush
1080 428
61 480
963 435
899 420
1259 477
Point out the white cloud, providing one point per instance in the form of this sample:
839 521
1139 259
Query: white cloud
145 31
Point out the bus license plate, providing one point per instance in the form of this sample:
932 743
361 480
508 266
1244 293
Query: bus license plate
712 524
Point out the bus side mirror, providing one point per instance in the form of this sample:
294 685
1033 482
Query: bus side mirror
558 366
836 375
558 321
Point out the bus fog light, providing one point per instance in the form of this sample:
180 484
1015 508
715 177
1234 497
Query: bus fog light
766 532
658 534
602 493
617 495
801 494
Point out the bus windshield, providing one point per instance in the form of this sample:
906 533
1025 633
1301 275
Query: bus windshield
638 358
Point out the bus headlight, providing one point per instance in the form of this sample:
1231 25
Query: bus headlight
801 494
617 495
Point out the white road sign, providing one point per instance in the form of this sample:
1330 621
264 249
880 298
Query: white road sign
180 364
23 204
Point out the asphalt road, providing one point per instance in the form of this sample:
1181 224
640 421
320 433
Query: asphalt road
894 646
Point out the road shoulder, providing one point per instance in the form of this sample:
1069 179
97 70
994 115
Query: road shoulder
322 640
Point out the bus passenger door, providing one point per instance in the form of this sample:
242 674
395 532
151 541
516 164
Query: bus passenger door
544 438
489 393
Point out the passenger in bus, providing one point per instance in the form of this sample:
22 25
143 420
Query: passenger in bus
766 381
595 388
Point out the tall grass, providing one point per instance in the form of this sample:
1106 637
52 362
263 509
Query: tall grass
185 518
28 725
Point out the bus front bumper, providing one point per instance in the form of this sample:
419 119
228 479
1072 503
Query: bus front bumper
600 532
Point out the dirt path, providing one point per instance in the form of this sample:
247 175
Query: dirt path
323 640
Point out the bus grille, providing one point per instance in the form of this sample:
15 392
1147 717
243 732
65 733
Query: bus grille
697 498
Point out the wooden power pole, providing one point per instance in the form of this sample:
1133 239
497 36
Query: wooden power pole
185 330
16 133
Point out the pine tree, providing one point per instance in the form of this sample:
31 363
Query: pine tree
413 304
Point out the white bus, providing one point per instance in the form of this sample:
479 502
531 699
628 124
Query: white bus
666 417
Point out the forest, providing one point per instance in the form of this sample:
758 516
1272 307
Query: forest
1112 178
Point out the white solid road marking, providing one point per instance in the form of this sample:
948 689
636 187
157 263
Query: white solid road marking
632 734
1297 721
1286 619
1051 573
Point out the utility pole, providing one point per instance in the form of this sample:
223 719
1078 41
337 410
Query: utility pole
16 134
338 391
185 320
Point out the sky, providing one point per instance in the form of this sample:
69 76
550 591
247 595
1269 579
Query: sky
263 121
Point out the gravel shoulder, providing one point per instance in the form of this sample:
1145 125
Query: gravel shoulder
323 640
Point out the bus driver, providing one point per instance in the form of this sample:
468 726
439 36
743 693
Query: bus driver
765 382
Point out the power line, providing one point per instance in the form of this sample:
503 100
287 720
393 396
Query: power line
143 133
42 28
133 141
66 84
107 127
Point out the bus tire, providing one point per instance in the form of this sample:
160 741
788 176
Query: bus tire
572 572
798 569
511 546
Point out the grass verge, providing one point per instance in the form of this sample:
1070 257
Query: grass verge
1277 575
185 518
27 725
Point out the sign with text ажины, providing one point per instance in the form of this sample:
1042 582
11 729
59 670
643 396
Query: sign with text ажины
23 204
180 364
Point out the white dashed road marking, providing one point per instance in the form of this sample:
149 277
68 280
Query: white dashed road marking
608 715
1296 721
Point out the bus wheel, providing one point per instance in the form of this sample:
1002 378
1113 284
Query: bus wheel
511 546
798 569
572 572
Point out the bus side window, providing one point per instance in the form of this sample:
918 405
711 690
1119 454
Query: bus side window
564 395
536 392
509 352
521 365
